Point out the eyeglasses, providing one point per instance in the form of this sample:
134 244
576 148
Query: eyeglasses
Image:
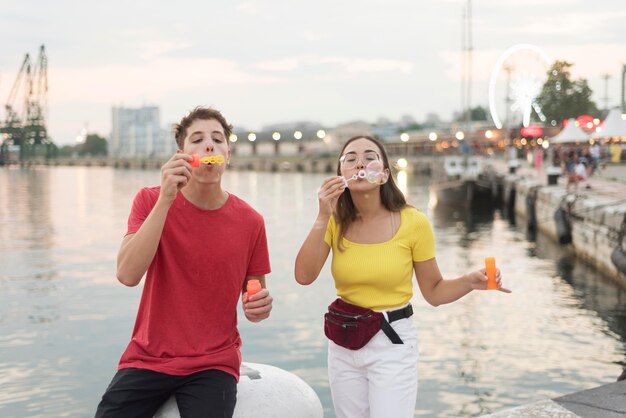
350 159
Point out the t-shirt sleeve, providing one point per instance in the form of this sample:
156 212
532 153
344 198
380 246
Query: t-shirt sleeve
260 259
139 211
424 245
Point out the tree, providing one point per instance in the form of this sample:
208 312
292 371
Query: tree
412 127
562 98
66 151
94 145
476 114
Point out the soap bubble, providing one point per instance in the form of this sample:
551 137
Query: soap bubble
373 173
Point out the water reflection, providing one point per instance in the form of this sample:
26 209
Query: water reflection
471 220
64 319
25 227
592 291
26 236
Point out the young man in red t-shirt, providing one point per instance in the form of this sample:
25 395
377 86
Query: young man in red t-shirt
199 245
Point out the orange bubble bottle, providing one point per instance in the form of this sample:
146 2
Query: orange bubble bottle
490 267
253 287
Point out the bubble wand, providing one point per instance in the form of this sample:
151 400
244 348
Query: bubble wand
196 160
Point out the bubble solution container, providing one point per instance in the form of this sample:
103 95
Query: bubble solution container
490 267
253 287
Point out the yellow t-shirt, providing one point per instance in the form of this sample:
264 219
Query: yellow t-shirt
379 276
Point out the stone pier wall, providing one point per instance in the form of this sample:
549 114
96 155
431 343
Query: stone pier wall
595 219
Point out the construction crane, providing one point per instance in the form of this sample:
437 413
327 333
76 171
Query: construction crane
26 108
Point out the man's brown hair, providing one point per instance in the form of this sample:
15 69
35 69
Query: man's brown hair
204 113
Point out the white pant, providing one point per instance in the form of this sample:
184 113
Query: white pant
378 380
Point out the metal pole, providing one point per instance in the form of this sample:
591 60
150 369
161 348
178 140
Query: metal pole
469 66
623 103
463 69
606 90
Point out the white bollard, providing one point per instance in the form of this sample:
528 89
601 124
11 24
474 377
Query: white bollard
265 391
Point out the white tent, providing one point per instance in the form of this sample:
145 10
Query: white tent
571 133
614 125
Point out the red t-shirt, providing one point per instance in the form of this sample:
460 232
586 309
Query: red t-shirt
187 318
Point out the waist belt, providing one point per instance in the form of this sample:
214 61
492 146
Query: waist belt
405 312
396 315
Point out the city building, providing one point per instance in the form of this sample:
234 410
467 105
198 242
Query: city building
137 132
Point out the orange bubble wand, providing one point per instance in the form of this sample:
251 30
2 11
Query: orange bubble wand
195 160
490 269
207 159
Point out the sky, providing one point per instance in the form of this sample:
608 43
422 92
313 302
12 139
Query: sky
273 61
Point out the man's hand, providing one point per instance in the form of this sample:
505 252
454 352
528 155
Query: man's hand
258 306
175 174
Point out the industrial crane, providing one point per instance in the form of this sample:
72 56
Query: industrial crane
26 108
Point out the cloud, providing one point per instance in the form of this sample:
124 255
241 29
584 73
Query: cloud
154 79
378 65
315 36
588 25
526 3
590 60
346 64
283 64
482 63
154 49
249 8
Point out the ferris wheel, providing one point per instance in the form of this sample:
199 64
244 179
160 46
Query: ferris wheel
515 83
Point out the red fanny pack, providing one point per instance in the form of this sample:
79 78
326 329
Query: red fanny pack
351 326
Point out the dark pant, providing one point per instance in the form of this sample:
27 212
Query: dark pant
140 393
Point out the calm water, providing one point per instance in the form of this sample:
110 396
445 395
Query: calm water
64 318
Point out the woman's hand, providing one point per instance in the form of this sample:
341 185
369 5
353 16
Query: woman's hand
329 193
175 174
478 280
258 306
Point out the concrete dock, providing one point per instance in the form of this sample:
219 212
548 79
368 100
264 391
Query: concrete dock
596 215
608 401
595 211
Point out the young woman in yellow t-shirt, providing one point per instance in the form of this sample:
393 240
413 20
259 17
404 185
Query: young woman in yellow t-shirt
377 241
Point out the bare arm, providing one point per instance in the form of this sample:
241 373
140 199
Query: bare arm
138 249
258 306
313 253
314 250
438 291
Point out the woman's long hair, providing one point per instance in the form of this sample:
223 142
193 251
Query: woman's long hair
390 195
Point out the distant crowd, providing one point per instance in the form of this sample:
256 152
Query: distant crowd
579 162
